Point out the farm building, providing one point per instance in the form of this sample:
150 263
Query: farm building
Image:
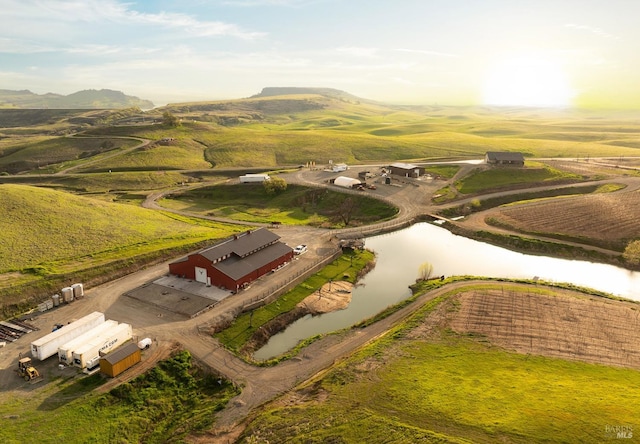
406 170
346 182
235 261
119 360
504 158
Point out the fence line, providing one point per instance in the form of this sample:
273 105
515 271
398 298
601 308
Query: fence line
287 284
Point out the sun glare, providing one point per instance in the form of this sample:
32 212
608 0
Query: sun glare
527 81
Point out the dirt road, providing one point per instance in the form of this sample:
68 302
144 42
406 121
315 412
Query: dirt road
259 384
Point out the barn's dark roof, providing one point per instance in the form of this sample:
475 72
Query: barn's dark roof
120 353
243 245
236 267
505 156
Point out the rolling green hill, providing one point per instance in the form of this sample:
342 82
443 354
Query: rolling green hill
41 226
318 124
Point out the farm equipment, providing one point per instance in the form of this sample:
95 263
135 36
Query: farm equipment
26 370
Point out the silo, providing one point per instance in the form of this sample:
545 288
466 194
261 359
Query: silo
78 291
56 300
67 294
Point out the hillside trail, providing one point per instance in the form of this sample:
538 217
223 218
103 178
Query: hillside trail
143 143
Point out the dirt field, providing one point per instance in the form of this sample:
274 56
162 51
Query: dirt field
331 297
608 217
588 329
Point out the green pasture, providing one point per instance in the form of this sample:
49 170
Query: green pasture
42 155
183 154
454 388
345 268
297 205
359 134
43 228
496 178
169 402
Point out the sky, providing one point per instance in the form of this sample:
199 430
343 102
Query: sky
560 53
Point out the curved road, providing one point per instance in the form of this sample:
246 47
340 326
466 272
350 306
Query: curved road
259 385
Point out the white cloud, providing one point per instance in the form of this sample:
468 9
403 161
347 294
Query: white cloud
109 13
593 30
427 52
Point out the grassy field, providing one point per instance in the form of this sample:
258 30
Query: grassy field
171 401
293 130
496 178
43 155
50 237
447 387
297 205
46 227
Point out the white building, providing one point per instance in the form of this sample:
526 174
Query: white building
346 182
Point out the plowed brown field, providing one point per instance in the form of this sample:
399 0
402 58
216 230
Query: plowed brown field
610 218
587 329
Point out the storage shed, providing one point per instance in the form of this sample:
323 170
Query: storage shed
507 158
346 182
406 170
121 359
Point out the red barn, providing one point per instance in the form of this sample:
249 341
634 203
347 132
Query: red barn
235 261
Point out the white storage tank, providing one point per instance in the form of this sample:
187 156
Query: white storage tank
56 300
65 352
67 294
106 342
78 291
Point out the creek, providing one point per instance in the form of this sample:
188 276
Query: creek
398 259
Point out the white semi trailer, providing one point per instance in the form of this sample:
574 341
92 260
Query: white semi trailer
104 343
248 178
48 345
65 352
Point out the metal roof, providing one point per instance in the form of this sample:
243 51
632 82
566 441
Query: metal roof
236 267
120 353
404 166
241 245
510 156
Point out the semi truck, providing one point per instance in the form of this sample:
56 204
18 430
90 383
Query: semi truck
248 178
102 344
48 345
65 352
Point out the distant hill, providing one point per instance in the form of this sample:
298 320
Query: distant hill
87 99
292 90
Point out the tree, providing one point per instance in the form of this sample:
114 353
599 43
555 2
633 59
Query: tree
632 252
346 210
275 185
424 271
169 119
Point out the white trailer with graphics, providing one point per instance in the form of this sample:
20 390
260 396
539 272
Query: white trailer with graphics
48 345
65 352
104 343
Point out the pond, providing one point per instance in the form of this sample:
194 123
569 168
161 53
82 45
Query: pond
400 254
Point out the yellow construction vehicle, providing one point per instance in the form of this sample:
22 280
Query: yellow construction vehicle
26 370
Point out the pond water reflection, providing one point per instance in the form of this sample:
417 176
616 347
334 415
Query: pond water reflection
400 254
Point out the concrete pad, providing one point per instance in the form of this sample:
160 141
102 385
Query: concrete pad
182 296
